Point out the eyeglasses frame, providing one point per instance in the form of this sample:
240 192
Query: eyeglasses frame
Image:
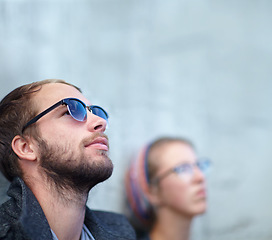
175 169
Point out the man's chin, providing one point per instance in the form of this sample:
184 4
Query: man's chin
67 171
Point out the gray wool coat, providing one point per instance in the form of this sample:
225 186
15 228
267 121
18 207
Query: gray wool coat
22 218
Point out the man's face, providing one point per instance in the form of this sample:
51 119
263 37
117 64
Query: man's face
71 153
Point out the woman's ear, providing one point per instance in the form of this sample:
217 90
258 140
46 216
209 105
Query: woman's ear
23 148
153 195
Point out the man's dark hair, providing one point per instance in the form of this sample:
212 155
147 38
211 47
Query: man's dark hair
16 109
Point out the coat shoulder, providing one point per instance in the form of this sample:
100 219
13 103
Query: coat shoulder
114 224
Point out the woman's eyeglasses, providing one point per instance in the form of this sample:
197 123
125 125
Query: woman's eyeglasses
76 108
185 169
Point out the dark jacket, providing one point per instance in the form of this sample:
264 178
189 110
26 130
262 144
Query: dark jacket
143 237
22 218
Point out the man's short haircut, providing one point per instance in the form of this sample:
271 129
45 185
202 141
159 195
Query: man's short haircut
16 109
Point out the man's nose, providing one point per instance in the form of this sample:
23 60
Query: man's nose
95 123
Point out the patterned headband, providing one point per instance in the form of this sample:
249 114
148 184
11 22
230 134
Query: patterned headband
137 182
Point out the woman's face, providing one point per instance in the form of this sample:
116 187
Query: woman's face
182 193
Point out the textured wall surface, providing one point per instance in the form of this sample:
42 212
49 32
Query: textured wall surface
200 69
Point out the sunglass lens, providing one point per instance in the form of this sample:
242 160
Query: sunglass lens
100 112
77 110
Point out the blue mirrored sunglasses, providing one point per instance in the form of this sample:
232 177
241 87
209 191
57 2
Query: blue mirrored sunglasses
76 108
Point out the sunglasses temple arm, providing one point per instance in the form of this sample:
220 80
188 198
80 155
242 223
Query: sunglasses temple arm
35 119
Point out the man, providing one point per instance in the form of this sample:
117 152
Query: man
53 150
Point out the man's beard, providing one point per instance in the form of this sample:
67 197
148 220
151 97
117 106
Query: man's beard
73 173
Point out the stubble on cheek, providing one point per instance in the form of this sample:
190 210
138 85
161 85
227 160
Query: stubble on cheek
67 170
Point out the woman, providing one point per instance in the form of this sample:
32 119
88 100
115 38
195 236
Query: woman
165 189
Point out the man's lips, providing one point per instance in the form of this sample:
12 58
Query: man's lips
100 143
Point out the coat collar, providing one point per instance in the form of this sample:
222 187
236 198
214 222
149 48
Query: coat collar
30 214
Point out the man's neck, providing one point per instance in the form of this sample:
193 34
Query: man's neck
64 211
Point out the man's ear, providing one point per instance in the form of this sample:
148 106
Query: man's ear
23 148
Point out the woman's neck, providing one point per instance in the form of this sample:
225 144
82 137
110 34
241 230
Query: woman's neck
171 226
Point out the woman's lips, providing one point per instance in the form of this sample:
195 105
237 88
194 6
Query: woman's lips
202 193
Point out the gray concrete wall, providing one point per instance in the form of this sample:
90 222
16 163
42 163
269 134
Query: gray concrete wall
200 69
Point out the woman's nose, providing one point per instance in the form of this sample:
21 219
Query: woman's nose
198 175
